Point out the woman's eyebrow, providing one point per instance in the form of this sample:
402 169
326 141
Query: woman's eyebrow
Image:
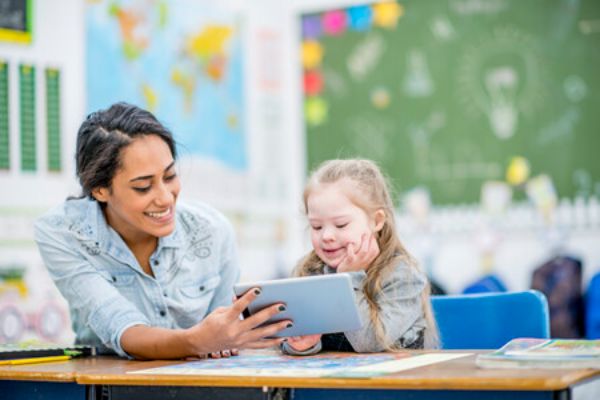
141 178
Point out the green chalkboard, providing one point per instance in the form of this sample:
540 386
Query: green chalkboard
450 92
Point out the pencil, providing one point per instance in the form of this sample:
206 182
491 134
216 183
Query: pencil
34 360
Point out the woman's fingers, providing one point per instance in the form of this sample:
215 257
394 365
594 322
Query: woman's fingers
243 302
262 316
266 331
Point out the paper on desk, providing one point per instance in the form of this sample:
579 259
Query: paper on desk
390 367
324 365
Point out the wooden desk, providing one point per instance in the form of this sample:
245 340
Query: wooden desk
459 378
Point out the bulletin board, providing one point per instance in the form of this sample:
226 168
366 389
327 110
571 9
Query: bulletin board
15 20
443 94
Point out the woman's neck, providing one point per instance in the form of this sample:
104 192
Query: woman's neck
141 244
142 250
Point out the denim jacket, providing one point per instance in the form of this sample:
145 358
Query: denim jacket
194 268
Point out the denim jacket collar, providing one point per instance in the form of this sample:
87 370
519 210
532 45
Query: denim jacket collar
97 235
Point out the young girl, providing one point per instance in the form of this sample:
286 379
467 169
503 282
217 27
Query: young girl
352 227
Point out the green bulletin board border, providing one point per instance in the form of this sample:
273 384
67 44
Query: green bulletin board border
27 117
4 117
52 76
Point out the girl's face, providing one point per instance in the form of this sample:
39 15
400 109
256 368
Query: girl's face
141 202
336 221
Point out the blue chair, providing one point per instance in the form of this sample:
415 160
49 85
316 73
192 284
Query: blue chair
487 284
490 320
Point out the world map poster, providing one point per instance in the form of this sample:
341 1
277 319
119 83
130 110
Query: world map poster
181 60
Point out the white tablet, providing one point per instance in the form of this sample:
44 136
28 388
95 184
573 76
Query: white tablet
315 304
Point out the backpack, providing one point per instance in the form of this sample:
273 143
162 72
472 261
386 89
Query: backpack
560 280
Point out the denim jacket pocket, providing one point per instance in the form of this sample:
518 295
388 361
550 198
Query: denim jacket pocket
119 279
201 288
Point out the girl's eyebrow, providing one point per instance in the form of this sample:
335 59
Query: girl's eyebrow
335 217
141 178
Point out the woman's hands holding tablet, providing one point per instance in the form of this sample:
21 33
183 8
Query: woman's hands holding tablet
223 329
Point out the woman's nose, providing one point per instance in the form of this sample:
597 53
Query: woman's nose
164 195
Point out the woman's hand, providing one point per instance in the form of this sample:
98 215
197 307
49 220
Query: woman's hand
302 343
223 329
362 257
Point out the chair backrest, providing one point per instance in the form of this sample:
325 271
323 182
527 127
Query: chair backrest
490 320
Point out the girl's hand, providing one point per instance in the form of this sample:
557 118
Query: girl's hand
223 329
362 257
301 343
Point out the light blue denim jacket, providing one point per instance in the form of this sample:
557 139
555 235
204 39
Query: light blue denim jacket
195 268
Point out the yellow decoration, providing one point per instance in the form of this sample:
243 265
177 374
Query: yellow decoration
316 110
386 14
312 54
518 171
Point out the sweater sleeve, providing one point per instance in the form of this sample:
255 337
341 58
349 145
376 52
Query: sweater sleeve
400 310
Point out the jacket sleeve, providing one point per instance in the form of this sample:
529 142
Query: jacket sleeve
91 296
401 312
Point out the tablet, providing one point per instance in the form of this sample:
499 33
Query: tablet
315 304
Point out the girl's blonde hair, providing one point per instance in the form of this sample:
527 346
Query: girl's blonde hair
369 192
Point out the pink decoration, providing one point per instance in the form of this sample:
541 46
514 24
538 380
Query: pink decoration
334 22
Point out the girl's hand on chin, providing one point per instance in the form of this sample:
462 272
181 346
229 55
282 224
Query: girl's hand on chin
362 257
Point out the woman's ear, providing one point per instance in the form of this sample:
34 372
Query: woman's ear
379 219
101 194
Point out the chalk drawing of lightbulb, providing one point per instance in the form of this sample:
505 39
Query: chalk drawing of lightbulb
500 77
501 84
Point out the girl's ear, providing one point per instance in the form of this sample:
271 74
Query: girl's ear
379 219
101 194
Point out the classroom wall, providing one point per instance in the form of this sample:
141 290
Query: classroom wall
26 194
455 244
458 243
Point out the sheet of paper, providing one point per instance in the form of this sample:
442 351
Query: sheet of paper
322 365
390 367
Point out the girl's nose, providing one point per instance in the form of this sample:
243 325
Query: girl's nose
327 234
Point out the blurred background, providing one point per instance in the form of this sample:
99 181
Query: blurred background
484 114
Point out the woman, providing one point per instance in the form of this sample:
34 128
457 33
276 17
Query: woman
143 275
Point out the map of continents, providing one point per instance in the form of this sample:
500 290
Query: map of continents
182 60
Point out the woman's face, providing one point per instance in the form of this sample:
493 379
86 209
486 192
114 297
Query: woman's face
141 201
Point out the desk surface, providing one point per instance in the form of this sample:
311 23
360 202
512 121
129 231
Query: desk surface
456 374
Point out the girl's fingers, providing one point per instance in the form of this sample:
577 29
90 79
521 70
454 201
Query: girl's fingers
364 243
263 344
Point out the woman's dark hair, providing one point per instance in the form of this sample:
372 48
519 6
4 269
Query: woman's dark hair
104 134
